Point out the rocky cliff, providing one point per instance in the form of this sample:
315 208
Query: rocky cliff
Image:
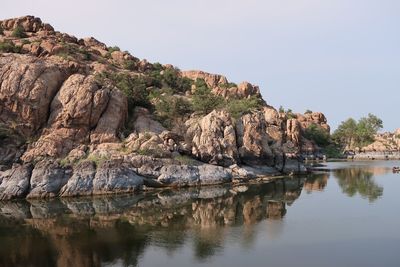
80 118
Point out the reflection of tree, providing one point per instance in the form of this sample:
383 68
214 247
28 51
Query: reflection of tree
358 180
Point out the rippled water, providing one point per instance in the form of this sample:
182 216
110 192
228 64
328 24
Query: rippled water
349 216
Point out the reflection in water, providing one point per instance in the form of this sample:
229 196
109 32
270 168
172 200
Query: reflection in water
361 181
316 182
93 231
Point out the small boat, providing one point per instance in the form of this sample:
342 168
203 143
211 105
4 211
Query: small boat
396 169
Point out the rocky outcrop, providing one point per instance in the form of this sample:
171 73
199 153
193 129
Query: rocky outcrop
317 118
212 80
220 86
79 106
87 117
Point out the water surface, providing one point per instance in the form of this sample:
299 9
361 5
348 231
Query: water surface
349 216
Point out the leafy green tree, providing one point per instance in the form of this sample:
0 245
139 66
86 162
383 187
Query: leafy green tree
351 133
238 107
317 134
179 84
204 100
169 107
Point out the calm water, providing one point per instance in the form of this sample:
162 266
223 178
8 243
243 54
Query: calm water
347 217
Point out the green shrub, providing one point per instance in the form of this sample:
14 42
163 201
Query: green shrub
134 87
113 49
308 111
9 47
4 133
25 41
333 151
1 30
18 32
238 107
179 84
86 54
317 134
129 65
204 100
169 108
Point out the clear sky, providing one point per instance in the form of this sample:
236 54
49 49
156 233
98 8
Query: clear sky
341 57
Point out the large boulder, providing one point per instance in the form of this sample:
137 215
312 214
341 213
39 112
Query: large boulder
47 179
115 177
15 182
213 138
253 140
188 175
81 182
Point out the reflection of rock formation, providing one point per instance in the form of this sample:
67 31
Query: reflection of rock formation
316 182
93 231
359 180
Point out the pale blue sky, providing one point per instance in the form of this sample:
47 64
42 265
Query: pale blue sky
341 57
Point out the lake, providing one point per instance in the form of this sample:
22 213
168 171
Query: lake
347 216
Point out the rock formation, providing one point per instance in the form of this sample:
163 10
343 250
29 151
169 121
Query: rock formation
385 146
77 118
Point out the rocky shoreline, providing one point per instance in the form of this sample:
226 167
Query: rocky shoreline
49 179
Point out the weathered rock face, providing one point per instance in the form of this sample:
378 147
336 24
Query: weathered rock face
185 175
28 23
109 178
15 182
112 177
78 107
81 182
47 179
253 140
213 138
27 87
316 118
